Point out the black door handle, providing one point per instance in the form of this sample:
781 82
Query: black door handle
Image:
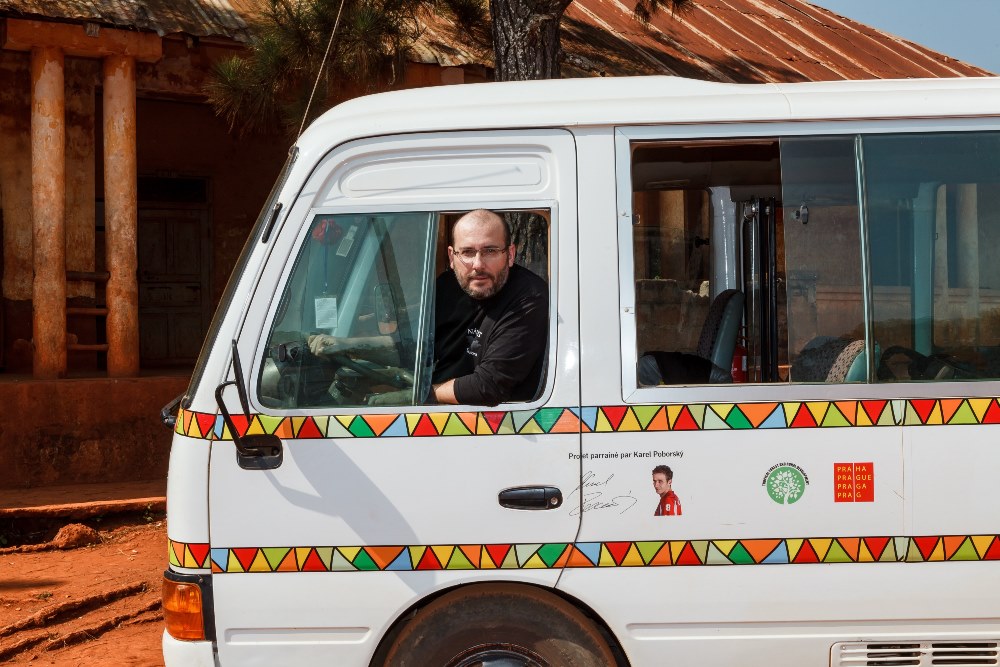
531 498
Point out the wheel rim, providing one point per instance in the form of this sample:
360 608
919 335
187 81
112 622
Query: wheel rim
497 655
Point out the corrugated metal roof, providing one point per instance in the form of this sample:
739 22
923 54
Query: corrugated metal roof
201 18
718 40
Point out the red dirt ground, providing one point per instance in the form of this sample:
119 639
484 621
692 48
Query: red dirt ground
88 606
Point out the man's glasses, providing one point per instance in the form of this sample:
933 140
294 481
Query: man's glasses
468 255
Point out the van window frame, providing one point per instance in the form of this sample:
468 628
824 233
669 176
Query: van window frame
632 392
292 248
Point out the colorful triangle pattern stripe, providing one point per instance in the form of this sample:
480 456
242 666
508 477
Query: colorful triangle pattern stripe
786 551
606 419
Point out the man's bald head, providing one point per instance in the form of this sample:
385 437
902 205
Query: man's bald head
482 216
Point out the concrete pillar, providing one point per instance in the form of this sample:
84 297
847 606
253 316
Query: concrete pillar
48 199
121 216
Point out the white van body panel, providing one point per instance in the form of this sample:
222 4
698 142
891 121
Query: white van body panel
728 580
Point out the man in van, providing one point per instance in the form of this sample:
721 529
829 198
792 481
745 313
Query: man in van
491 321
663 483
491 318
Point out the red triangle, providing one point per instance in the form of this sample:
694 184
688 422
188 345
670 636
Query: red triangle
993 553
425 427
309 429
497 552
245 556
923 407
615 415
618 550
992 415
206 424
806 554
685 422
429 561
874 410
688 556
241 422
876 545
200 553
803 418
313 562
494 419
926 544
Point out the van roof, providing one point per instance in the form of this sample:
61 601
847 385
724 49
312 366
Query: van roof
646 100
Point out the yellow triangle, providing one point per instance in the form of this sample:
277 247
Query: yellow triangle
485 560
605 560
482 428
345 420
863 418
255 428
531 426
793 545
260 563
411 422
350 553
439 419
602 425
820 545
818 410
301 553
629 423
416 553
979 407
982 543
725 546
633 558
722 409
673 411
790 411
193 430
297 424
938 553
443 553
535 563
935 416
864 555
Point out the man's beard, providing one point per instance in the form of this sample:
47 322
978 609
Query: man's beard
499 280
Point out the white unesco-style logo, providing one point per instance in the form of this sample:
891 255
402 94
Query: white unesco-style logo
785 483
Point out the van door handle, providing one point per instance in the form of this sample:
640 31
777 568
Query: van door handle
531 498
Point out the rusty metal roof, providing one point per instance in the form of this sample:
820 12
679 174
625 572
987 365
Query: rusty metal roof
744 41
200 18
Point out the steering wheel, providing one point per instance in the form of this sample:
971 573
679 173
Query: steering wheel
920 366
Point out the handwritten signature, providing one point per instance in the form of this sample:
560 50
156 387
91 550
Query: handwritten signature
594 496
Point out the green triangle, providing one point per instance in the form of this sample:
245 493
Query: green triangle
547 417
698 412
965 552
713 422
325 554
913 552
521 417
645 414
364 562
360 429
737 419
901 545
510 560
889 553
455 426
550 553
524 552
834 417
739 555
275 555
700 548
964 415
338 563
716 557
459 561
836 554
648 549
334 429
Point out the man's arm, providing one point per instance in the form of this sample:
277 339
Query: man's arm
377 349
444 393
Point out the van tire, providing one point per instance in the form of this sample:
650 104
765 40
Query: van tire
510 620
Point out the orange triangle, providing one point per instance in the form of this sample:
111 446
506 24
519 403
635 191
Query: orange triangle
759 549
659 421
850 545
756 413
949 406
952 542
469 419
382 556
472 552
288 563
850 411
284 430
577 559
567 423
379 423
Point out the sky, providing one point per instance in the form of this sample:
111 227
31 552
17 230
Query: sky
965 29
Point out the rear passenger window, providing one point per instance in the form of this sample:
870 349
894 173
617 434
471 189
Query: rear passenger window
829 259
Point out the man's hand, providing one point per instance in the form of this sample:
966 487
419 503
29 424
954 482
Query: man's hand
321 344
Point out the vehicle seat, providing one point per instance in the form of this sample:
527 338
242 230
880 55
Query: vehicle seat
831 360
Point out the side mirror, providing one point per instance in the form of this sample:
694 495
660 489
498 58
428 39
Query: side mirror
261 451
385 309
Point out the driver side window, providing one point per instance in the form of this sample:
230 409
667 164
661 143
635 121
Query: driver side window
354 321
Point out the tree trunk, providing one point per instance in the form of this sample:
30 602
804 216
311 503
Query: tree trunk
530 234
526 38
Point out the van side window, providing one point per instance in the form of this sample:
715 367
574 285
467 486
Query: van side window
356 319
750 259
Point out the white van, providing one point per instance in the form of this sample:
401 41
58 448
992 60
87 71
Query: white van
767 428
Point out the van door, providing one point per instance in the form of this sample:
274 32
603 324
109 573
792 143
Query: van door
714 512
382 499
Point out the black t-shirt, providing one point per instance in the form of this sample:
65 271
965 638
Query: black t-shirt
494 348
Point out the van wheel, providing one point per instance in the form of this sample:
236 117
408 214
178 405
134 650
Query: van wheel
500 625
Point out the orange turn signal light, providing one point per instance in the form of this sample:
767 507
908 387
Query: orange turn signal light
182 610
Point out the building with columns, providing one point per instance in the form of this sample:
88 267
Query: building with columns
124 201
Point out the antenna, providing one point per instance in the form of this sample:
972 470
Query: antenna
322 64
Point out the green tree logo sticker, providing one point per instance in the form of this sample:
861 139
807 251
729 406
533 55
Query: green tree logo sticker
785 483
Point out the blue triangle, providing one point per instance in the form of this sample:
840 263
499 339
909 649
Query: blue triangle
221 558
589 417
779 555
219 425
775 420
402 561
592 550
397 428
